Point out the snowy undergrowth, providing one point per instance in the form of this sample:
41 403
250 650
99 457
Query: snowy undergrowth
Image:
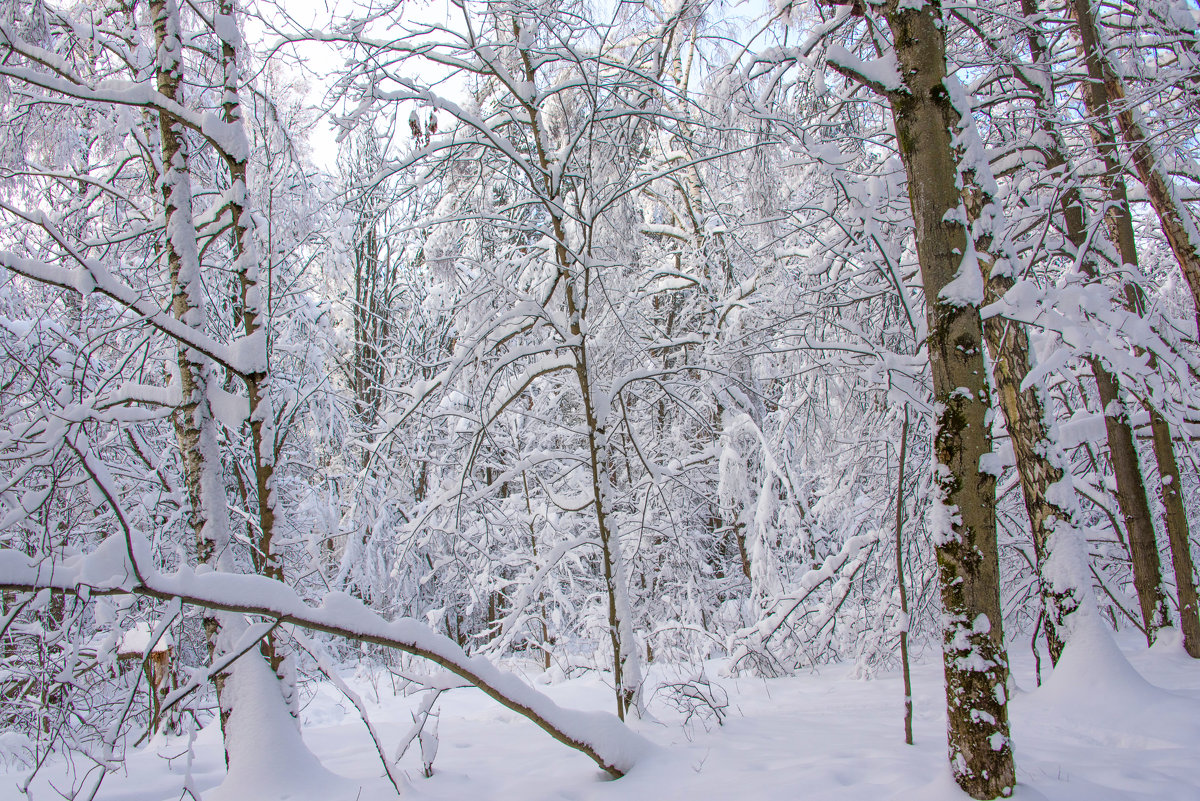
1111 723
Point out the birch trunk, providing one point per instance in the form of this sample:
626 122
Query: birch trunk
195 426
252 302
1024 415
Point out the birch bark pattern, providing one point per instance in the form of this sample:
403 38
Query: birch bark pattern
195 427
976 666
1024 415
265 558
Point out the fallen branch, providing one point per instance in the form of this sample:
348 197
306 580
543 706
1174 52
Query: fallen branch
603 738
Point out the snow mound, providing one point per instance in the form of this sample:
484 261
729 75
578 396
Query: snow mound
137 639
268 760
1168 650
1095 685
944 788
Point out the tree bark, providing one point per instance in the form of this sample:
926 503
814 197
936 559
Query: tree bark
195 427
1024 415
1177 531
1142 543
1131 493
976 666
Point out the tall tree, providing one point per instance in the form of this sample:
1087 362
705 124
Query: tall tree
1106 96
913 77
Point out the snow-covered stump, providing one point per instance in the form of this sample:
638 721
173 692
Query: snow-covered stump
156 658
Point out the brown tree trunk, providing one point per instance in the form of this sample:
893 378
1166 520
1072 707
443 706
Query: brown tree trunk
1180 230
1177 531
1131 492
908 701
976 666
626 659
1142 543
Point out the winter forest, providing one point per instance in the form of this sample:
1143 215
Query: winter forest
599 399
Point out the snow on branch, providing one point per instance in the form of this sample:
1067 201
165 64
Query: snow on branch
224 136
603 738
839 568
880 74
94 277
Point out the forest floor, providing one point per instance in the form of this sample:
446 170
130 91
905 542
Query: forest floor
1103 727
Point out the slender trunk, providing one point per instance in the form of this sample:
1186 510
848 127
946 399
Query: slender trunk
1180 230
1131 498
627 677
976 666
739 536
626 664
908 704
266 560
195 428
1177 531
542 612
1131 492
1024 415
1142 543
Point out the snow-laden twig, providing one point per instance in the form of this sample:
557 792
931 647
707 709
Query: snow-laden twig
325 664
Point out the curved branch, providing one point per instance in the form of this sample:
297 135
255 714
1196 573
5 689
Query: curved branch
600 736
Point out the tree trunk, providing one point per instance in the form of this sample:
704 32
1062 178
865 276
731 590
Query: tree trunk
252 302
1008 343
1131 492
1180 230
976 665
195 428
627 676
1142 543
908 704
1177 531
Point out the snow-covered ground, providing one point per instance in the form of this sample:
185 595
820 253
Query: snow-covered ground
1101 728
